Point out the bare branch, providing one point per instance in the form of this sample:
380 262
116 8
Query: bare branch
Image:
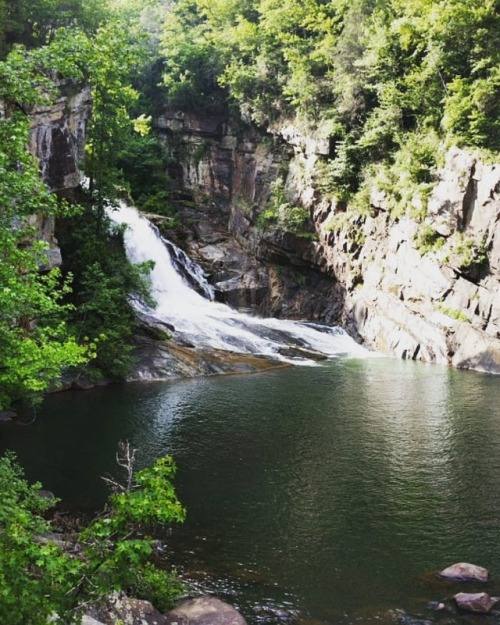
125 458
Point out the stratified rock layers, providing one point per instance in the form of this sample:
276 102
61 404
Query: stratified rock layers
57 138
438 304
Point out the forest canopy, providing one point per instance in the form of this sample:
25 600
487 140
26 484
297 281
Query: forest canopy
372 68
389 83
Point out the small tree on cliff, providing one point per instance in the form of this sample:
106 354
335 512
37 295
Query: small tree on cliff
117 52
35 342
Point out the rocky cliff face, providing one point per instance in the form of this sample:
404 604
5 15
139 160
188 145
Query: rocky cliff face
224 173
423 289
57 139
428 290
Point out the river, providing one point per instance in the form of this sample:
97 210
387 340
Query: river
333 492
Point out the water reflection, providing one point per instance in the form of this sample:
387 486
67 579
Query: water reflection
332 491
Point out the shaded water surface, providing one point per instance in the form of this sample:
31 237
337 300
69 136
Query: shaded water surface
331 491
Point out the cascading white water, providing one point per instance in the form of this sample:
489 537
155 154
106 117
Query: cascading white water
205 323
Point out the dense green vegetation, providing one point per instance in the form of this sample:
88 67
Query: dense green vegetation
387 81
114 552
35 22
36 341
78 319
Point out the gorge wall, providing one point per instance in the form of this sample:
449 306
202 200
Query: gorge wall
419 287
57 139
224 173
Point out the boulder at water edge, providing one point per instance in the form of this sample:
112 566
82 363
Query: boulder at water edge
135 612
465 572
204 611
88 620
124 610
478 602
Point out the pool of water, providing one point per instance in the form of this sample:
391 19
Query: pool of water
329 493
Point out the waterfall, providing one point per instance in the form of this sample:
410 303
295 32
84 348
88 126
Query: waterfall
200 321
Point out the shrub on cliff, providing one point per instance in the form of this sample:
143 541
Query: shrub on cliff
376 73
36 342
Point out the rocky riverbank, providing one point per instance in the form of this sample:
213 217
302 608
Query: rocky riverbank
209 609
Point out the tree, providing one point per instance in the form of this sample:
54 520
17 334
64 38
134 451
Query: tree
105 284
118 545
35 341
35 576
104 281
117 52
34 23
38 578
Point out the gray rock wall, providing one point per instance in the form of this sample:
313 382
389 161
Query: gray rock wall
440 304
57 139
224 172
57 136
437 304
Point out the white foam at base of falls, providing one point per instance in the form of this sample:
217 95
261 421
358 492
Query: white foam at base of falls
205 323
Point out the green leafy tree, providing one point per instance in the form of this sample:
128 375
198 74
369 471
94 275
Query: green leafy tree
119 545
193 64
35 576
116 53
38 344
35 340
34 23
38 578
104 281
105 286
143 162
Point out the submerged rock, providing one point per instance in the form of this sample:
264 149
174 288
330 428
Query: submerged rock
7 416
204 611
478 602
47 494
465 572
436 606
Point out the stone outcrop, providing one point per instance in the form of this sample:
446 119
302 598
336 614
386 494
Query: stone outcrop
89 620
125 610
7 416
204 610
168 360
371 272
224 173
477 602
58 134
57 139
438 305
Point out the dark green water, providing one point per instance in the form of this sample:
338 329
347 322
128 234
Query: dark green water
332 492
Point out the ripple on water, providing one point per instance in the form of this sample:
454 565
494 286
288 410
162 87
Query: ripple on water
328 492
